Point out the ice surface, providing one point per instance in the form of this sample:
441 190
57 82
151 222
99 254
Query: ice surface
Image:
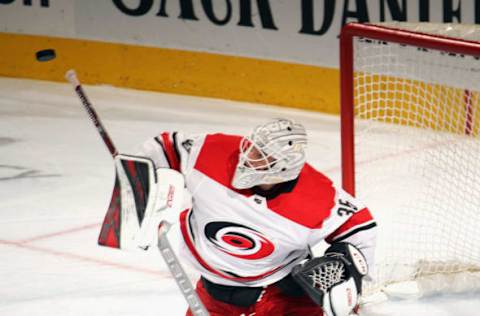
56 178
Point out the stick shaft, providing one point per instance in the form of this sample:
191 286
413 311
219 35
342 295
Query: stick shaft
178 273
166 250
92 114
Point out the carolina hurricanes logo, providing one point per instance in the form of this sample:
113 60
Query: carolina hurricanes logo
238 240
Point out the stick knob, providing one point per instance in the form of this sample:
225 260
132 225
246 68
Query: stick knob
71 76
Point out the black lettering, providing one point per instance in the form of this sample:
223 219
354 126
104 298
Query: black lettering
344 211
308 17
186 10
424 10
208 8
43 3
477 11
162 11
361 14
187 144
449 12
347 204
398 13
143 7
347 209
266 17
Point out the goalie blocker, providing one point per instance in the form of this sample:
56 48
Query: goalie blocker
334 281
140 199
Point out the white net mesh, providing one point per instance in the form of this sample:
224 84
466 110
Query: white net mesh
417 153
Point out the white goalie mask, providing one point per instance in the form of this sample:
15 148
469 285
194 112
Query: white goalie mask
273 153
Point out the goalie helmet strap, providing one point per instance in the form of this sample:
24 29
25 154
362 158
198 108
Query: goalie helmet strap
278 189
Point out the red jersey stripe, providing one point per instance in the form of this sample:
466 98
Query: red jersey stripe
170 151
358 219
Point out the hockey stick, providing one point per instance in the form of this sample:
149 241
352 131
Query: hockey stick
196 306
176 269
71 76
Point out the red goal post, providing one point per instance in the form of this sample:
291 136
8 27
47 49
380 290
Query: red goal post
410 132
381 33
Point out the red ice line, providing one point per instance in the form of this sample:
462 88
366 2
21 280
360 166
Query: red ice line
60 233
25 244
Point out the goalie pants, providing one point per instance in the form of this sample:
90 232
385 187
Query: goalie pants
272 301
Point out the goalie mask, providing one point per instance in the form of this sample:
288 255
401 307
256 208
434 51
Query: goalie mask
273 153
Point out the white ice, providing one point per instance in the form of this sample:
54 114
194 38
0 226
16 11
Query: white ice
56 179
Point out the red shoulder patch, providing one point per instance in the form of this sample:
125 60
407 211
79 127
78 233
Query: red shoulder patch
310 202
218 158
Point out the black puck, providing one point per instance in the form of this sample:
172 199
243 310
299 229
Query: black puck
45 54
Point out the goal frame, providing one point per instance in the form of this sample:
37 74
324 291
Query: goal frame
390 34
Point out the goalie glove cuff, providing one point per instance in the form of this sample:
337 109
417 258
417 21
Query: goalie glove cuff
355 262
341 300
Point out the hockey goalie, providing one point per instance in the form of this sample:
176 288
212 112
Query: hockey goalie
257 209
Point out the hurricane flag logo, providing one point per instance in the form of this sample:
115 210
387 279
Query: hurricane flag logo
238 240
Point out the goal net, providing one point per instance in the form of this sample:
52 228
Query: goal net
411 150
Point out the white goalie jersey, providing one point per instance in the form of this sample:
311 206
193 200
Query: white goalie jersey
249 237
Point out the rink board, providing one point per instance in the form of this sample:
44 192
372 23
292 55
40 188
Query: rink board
173 71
